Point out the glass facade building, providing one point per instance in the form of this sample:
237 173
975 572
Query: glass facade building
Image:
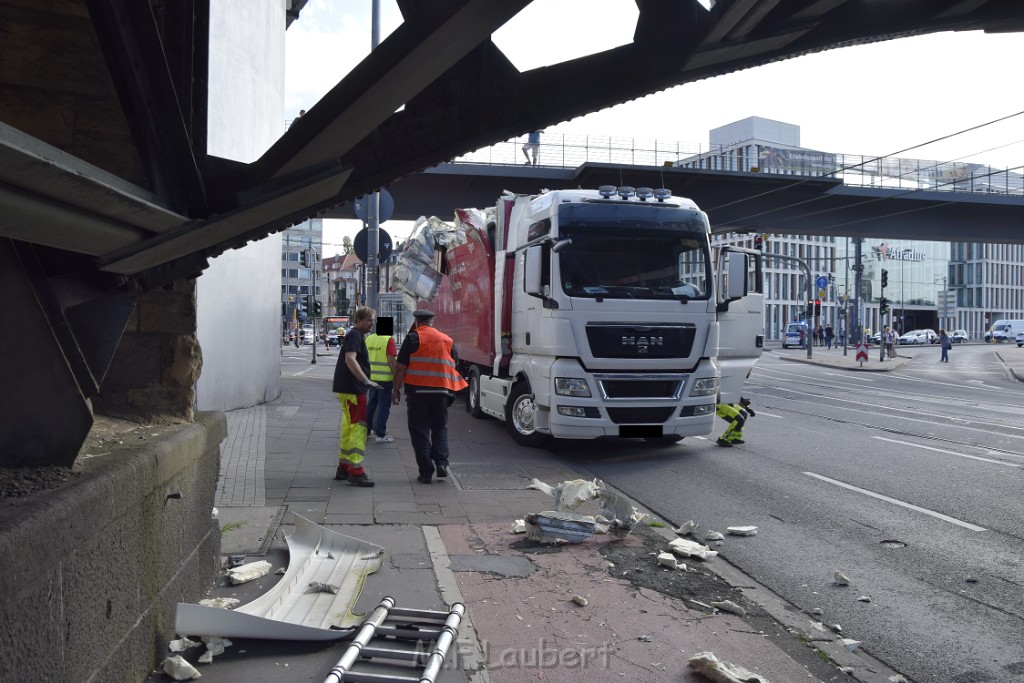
956 286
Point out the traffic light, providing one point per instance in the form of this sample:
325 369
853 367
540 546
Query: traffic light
758 242
810 309
817 307
304 258
883 305
885 278
316 309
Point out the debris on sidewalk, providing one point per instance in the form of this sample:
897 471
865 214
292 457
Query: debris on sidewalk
864 598
686 528
289 611
712 668
669 560
518 527
742 530
714 536
687 548
554 527
849 643
214 646
222 603
729 606
840 578
580 600
178 668
564 525
182 644
248 572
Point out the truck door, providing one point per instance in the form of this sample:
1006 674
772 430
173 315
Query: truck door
740 318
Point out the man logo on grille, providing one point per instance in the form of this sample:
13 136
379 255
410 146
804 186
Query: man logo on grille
642 343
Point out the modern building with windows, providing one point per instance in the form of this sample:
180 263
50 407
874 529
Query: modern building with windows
959 285
299 243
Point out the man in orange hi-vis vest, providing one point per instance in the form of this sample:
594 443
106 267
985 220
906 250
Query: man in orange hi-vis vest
427 367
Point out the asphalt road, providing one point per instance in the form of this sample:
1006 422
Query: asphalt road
908 482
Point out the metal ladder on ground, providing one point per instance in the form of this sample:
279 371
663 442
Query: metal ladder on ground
400 627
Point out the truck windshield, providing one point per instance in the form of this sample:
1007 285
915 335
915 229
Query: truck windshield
634 263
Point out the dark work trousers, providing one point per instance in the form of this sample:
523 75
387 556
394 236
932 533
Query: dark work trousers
428 430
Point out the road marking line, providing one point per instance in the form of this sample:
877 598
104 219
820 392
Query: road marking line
942 450
909 506
302 372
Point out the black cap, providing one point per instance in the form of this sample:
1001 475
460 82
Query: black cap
422 313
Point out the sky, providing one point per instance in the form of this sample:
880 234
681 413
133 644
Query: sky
878 99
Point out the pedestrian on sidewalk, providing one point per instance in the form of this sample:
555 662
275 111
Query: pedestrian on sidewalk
351 380
889 339
829 333
945 344
427 367
381 346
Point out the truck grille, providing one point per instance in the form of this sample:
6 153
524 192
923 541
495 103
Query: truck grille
637 388
641 341
640 415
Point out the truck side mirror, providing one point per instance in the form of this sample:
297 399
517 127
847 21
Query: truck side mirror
533 275
736 285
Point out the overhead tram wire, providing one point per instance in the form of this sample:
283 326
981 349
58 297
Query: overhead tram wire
854 166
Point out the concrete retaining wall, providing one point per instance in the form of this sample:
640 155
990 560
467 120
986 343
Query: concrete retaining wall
91 572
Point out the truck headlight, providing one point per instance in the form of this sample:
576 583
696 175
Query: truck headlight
706 386
572 386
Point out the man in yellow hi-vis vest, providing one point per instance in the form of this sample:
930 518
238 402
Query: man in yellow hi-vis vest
381 346
427 366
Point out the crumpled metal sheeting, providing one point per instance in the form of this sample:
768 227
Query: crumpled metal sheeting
287 611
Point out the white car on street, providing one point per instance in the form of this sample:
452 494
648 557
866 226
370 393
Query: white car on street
919 337
1020 339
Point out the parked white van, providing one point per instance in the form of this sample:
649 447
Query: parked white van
1004 330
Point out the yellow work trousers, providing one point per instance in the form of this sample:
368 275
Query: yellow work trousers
352 443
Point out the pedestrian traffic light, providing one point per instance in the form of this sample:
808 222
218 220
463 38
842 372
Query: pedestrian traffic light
885 278
883 306
304 258
817 307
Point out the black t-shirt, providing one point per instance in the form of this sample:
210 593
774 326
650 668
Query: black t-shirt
344 381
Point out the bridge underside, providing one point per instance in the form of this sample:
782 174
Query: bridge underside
735 202
107 189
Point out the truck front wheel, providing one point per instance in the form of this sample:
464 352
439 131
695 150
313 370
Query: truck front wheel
520 412
473 394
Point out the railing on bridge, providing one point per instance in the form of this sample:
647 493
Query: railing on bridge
569 151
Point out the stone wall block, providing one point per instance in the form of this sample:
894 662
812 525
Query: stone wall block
92 571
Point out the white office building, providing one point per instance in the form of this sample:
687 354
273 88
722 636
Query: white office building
959 285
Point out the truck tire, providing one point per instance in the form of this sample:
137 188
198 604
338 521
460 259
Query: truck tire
473 394
519 416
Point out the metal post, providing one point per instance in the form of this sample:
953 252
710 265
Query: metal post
858 269
373 209
313 256
846 298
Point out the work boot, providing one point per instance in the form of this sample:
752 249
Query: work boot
341 474
737 441
360 480
441 471
423 479
724 443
